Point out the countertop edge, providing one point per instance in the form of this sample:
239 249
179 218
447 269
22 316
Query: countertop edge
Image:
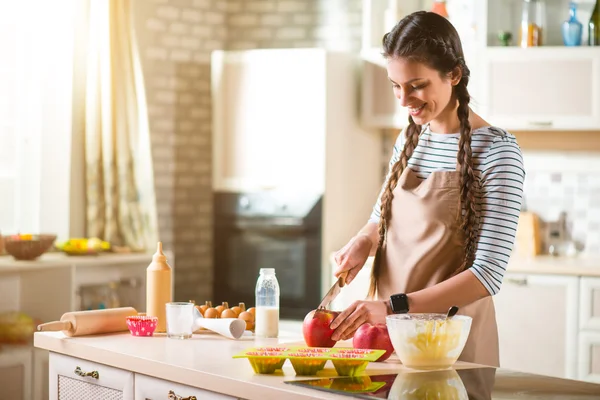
58 343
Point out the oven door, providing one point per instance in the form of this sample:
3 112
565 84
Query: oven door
285 244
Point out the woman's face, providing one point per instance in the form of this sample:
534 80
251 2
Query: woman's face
421 89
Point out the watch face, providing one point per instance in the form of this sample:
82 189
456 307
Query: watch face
399 303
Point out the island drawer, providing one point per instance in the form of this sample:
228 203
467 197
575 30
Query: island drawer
150 388
75 378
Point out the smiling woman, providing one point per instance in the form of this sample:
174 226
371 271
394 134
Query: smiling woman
443 227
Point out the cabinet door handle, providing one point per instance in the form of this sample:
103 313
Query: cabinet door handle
541 123
93 374
517 281
173 396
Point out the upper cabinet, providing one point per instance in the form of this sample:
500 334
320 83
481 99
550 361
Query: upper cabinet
548 87
543 88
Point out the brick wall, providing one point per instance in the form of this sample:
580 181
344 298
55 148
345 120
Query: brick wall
332 24
176 38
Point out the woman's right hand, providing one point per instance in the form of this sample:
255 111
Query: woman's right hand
353 256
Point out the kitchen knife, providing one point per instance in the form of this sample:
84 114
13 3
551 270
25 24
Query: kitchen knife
333 292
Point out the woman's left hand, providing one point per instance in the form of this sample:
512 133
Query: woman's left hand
355 315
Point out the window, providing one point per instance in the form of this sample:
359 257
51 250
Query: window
36 85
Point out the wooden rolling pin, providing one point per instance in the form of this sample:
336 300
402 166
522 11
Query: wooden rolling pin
80 323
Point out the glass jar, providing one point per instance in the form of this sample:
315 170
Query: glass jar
533 21
266 323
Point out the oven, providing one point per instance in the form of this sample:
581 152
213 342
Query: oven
268 230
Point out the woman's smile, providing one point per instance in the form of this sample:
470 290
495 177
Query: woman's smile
415 111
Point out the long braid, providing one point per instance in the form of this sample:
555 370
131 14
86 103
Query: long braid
412 139
468 181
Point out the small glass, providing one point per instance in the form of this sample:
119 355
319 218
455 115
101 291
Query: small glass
180 320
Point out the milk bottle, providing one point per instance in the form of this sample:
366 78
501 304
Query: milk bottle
267 304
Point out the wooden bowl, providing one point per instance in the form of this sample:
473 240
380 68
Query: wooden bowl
28 247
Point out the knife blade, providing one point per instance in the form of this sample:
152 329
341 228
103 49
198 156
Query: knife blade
333 292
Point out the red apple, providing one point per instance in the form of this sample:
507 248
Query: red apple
316 330
374 337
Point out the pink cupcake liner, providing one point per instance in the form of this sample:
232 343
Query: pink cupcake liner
142 325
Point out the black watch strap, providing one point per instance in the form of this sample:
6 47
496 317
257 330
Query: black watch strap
399 303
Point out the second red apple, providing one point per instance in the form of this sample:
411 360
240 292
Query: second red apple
373 337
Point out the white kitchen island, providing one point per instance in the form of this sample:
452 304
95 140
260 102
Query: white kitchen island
120 366
149 367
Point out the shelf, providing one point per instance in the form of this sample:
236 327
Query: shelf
505 15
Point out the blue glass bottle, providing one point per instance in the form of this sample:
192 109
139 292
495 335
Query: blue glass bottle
572 29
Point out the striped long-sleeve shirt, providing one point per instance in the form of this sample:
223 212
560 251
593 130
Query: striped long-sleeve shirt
498 164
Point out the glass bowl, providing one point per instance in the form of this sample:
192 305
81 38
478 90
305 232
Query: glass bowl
428 341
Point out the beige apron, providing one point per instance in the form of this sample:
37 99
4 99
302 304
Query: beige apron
424 247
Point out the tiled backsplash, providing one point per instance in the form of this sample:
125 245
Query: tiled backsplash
570 183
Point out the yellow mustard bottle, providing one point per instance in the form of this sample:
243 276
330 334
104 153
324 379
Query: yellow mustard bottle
158 288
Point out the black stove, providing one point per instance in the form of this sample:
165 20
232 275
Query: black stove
280 230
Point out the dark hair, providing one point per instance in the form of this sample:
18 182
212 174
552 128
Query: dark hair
431 39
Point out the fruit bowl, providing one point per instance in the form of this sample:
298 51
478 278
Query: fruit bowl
16 327
28 246
428 341
83 246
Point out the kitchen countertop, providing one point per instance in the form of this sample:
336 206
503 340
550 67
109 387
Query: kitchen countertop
206 362
581 265
60 259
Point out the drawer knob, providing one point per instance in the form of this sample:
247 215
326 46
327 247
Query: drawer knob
173 396
93 374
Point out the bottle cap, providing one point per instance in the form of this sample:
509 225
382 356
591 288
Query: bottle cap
267 271
159 256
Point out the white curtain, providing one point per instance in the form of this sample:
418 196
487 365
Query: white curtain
120 197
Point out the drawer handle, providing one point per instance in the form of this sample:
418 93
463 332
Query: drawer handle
173 396
541 123
93 374
519 282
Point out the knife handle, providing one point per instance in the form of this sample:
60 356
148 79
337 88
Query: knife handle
342 278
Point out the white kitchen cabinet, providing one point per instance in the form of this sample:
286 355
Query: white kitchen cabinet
150 388
73 378
589 323
589 356
589 306
41 368
512 87
522 90
58 280
537 324
379 106
15 372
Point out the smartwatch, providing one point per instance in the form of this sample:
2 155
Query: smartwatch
399 303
